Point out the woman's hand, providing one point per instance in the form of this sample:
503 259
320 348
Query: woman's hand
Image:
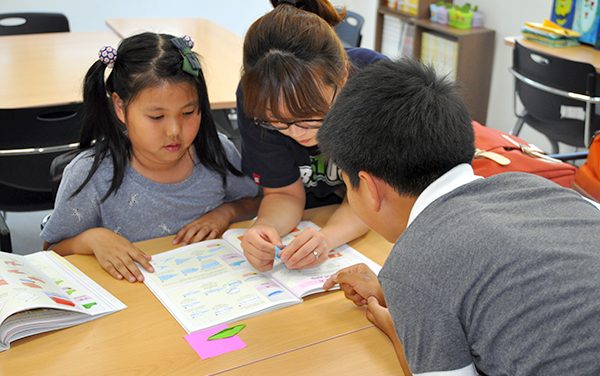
117 255
310 248
259 244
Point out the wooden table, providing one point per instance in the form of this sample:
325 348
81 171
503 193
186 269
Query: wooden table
323 333
47 69
219 48
582 53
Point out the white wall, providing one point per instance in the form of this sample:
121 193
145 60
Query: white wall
89 15
505 17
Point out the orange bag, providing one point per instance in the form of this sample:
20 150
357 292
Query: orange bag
499 152
587 179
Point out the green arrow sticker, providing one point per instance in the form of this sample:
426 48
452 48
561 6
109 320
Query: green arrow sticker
226 333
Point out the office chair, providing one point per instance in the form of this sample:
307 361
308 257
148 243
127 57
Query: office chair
30 139
349 29
32 23
558 97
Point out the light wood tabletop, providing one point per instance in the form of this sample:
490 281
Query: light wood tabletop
582 53
220 50
364 352
145 339
47 69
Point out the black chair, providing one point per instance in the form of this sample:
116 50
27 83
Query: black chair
30 139
226 123
349 29
558 97
32 23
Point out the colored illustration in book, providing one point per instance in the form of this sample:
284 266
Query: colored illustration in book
12 263
251 276
179 261
234 260
16 271
271 291
60 299
166 277
3 281
189 271
29 283
36 279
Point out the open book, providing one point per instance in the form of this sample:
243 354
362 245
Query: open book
210 282
42 292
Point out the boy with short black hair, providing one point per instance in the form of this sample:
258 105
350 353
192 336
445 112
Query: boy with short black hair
496 276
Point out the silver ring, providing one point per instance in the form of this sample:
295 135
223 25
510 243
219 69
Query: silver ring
316 255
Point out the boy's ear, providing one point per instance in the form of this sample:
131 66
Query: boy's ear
372 192
119 107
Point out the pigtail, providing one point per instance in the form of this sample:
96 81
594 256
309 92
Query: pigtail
99 130
208 146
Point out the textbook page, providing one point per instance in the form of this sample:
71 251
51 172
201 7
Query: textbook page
308 281
42 292
210 283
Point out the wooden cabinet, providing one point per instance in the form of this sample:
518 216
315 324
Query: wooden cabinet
465 55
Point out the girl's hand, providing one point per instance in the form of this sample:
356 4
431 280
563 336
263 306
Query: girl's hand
117 254
259 244
308 249
210 226
380 317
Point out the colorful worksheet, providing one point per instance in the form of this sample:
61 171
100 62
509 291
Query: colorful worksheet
211 282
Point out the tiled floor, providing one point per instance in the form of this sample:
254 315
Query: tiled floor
25 231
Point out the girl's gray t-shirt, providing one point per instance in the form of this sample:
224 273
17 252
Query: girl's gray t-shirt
141 208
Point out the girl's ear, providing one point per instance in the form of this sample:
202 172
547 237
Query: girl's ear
119 107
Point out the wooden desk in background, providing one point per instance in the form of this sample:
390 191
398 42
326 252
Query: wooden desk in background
220 51
324 333
47 69
582 54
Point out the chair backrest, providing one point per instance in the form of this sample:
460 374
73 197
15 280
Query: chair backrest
31 23
30 139
557 73
349 29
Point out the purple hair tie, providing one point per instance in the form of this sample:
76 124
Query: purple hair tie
107 55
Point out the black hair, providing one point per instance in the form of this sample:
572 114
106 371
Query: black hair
400 122
143 60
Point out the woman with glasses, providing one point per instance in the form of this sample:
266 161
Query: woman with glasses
294 65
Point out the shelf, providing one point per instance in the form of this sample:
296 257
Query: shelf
445 29
406 17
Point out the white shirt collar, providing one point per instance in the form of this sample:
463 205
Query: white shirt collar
456 177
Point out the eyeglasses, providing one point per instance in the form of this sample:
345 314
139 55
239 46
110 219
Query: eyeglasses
284 125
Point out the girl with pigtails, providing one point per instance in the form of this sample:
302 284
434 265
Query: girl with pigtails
294 67
151 163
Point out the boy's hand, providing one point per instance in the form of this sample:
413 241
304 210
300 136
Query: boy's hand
358 283
259 244
209 226
380 317
117 254
308 249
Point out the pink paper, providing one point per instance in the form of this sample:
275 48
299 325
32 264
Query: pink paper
208 349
